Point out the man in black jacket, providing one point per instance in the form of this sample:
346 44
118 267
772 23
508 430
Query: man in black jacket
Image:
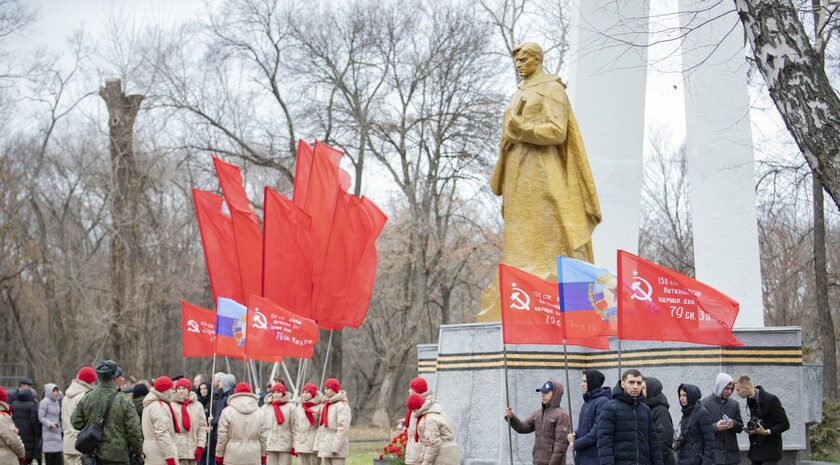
726 418
768 421
626 433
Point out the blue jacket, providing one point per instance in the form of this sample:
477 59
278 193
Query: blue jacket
697 438
626 434
586 434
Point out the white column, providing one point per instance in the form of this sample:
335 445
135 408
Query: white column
720 156
607 87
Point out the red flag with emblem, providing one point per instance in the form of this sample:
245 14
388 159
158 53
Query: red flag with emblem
274 331
531 311
659 304
198 331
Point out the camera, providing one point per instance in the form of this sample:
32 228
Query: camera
752 424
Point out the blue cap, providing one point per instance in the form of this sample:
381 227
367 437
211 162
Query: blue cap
547 387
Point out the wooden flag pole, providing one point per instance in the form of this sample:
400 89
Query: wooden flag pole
507 398
569 397
212 391
326 359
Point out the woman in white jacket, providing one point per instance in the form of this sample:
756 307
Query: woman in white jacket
305 424
279 422
78 388
189 416
334 425
242 434
159 427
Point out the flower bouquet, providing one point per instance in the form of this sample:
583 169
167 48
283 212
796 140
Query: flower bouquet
394 452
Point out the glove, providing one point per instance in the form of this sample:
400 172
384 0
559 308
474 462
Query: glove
170 461
21 459
220 460
262 460
198 452
293 452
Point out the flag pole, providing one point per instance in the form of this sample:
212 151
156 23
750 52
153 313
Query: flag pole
289 377
212 391
326 359
619 359
568 396
507 398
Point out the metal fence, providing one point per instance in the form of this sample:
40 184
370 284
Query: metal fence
12 373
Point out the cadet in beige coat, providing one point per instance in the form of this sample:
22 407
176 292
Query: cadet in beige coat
189 416
305 424
242 435
11 447
433 428
78 388
279 422
159 427
414 449
334 425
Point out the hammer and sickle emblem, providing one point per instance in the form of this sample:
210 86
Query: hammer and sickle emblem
260 321
638 292
192 326
519 299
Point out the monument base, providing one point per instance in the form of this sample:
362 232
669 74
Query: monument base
467 371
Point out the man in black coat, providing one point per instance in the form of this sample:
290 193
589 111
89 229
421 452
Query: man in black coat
726 417
768 421
25 384
656 400
25 417
626 433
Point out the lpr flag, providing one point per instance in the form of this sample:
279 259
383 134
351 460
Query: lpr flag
230 328
275 331
198 331
659 304
588 298
531 311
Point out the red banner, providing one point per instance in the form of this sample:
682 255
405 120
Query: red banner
198 331
531 311
658 304
274 331
246 226
287 254
219 246
303 170
362 279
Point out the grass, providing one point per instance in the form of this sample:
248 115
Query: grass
361 453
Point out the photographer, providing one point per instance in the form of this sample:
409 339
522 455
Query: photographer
767 423
695 444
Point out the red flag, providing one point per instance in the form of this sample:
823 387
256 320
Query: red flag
219 246
303 170
287 254
246 227
531 311
198 331
274 331
658 304
362 279
322 194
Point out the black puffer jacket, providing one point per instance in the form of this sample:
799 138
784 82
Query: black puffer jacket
586 434
697 435
626 434
659 406
25 416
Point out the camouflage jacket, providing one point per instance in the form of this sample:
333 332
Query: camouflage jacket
122 428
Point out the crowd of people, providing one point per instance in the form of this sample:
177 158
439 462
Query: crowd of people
631 423
174 421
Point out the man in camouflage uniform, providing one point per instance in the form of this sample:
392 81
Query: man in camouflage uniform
121 434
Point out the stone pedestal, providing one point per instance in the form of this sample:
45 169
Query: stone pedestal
466 369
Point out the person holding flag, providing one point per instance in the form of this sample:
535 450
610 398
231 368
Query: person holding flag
550 424
305 424
334 425
278 418
584 439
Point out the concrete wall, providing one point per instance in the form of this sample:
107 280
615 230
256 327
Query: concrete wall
470 380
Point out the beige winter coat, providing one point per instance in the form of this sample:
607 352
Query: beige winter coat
11 447
414 450
158 429
439 446
74 394
304 433
242 435
279 437
333 439
187 441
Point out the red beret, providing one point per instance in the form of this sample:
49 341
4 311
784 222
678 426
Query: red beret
87 375
414 401
419 385
183 382
333 384
242 387
163 383
278 388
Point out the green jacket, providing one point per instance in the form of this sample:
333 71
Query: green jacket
122 428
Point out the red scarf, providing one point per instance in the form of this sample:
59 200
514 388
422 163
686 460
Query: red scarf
278 414
172 411
417 428
325 413
185 415
310 414
407 420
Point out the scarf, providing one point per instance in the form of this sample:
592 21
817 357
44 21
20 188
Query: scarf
325 413
407 420
417 428
278 414
310 414
172 411
185 414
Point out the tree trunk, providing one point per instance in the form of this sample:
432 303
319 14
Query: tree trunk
126 251
829 341
380 415
798 84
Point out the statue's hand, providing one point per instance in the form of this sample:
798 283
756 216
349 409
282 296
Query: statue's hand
515 125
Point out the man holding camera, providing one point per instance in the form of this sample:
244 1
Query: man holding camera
768 421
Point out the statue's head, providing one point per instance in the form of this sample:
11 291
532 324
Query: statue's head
528 57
